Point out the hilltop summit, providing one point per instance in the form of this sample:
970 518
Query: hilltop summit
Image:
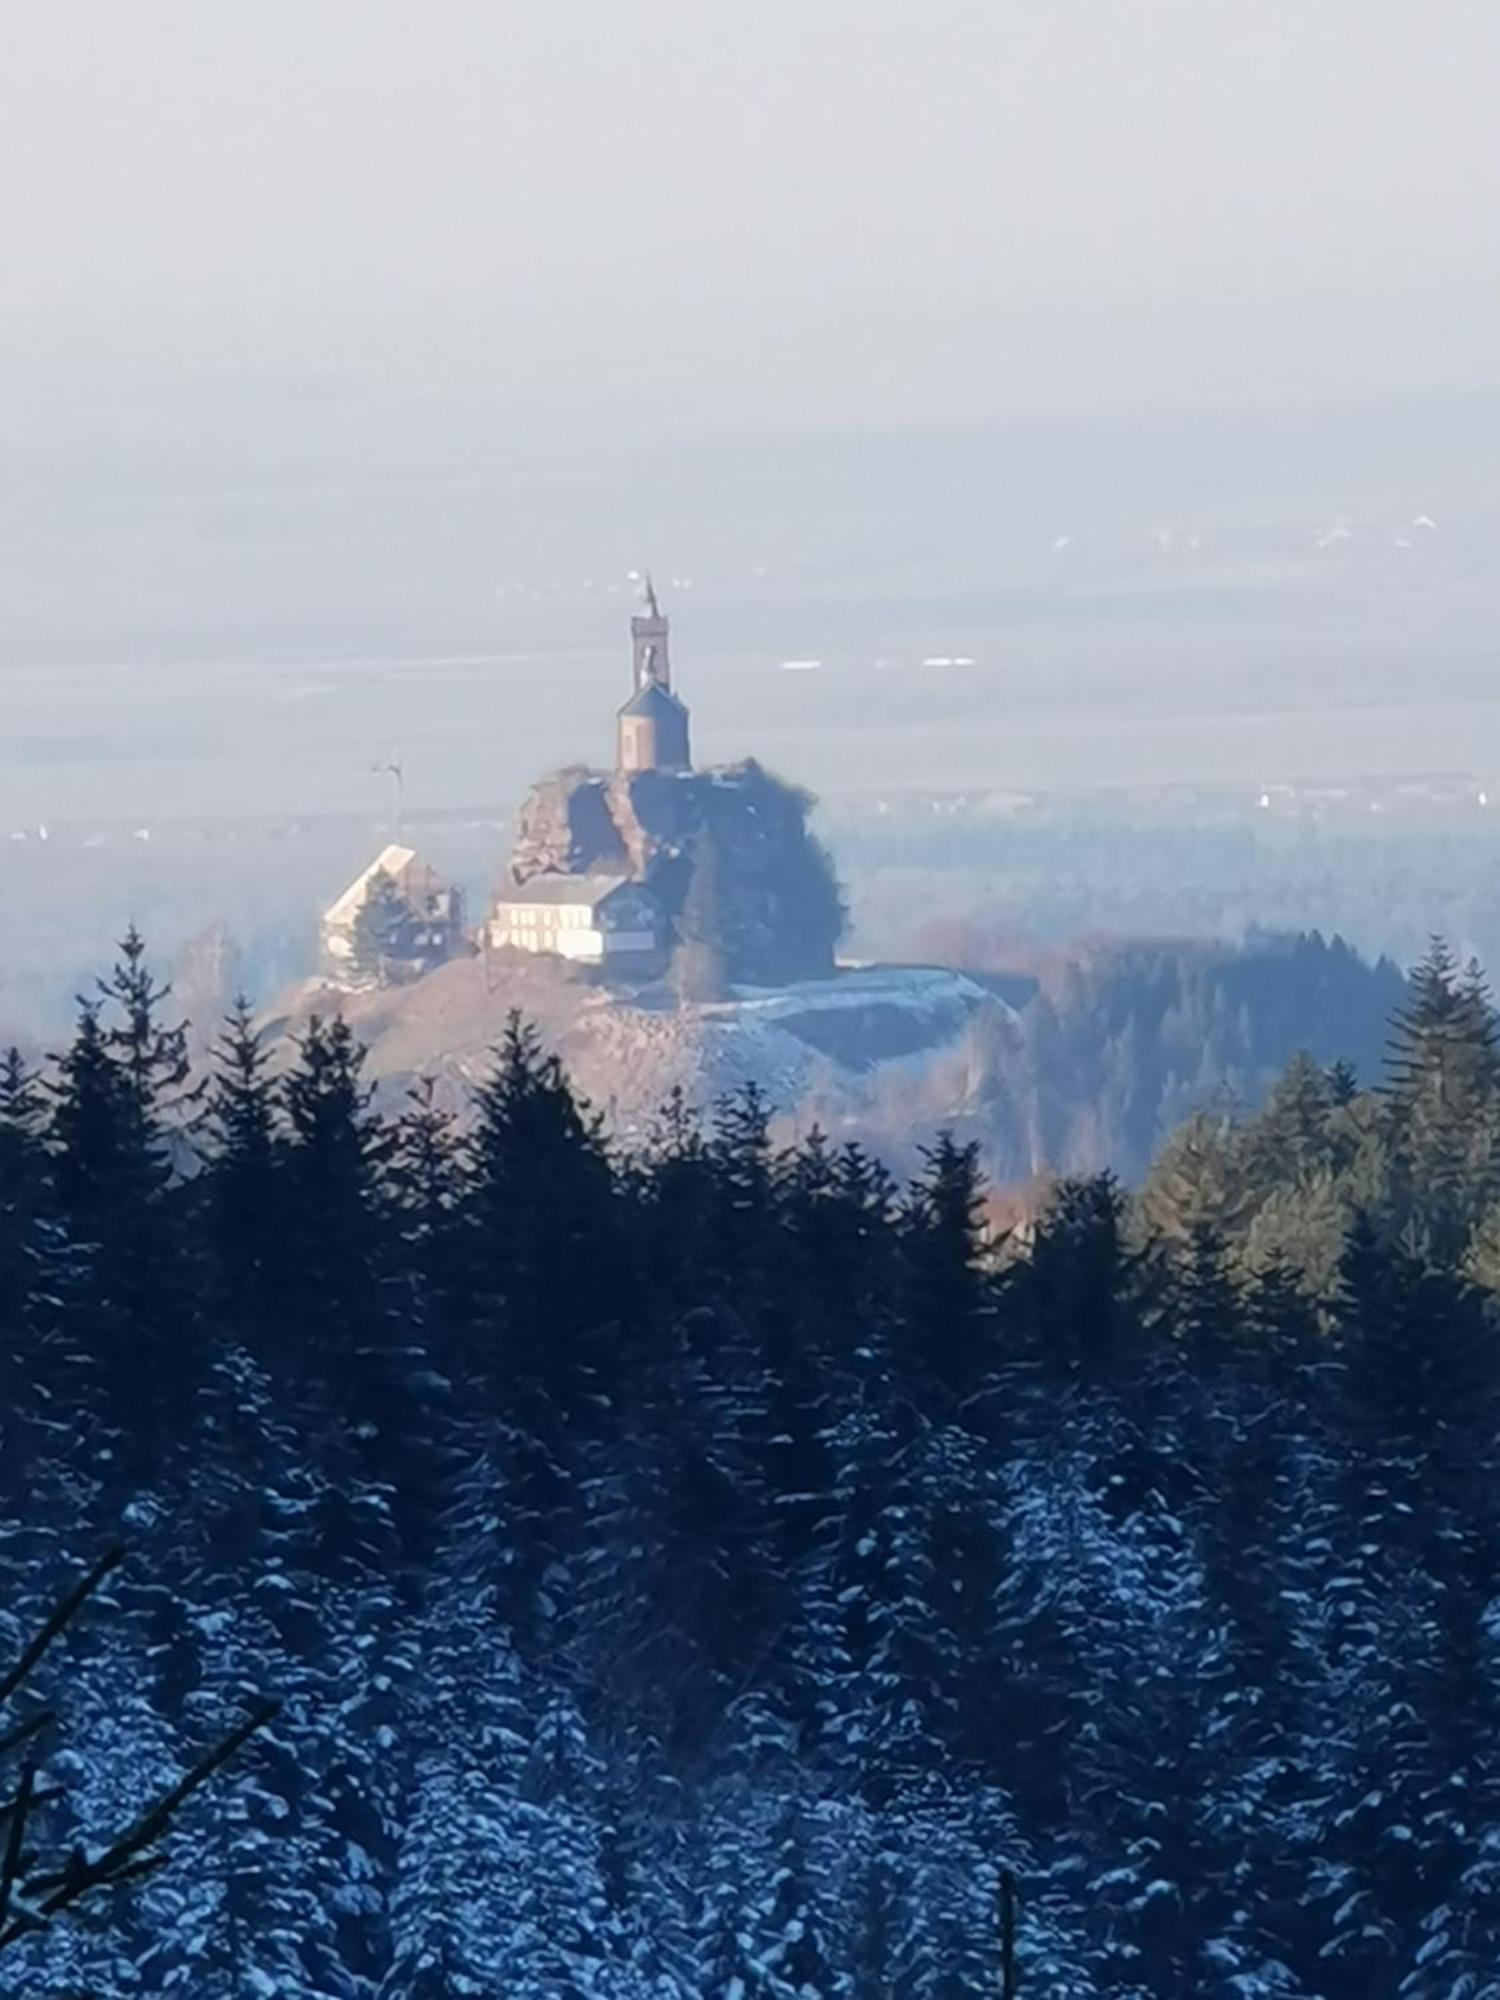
723 860
640 870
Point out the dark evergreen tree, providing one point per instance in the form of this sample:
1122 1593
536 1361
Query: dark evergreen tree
946 1323
30 1248
1205 1307
1291 1135
1443 1092
1075 1297
550 1261
1343 1083
120 1099
544 1223
244 1183
705 940
425 1181
381 929
341 1296
336 1230
152 1054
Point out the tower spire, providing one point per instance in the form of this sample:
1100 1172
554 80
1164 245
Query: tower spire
648 632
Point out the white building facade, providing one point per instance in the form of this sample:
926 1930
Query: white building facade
589 919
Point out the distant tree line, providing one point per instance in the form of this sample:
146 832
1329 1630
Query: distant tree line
701 1572
1089 1057
1059 872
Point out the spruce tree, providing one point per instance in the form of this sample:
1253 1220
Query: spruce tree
550 1269
381 925
152 1053
244 1188
943 1243
425 1183
1198 1178
38 1267
1343 1083
29 1245
337 1234
702 959
542 1216
120 1101
1075 1298
741 1166
1289 1139
1443 1093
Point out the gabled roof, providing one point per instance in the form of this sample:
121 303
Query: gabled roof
566 891
654 699
393 860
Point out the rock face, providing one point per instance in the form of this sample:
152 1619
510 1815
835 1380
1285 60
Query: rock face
566 828
780 912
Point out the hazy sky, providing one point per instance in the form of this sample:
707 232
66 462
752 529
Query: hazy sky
784 202
1145 351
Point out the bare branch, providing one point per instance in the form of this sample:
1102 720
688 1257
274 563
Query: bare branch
23 1732
62 1615
20 1813
153 1823
32 1894
126 1858
1008 1977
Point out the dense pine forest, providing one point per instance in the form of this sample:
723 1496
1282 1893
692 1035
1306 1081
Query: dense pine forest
697 1575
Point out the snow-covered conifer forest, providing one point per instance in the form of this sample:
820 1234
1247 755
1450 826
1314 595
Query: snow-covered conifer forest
697 1575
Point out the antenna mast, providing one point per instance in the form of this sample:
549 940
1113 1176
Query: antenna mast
392 768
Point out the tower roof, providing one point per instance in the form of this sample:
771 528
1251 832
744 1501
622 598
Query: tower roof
654 699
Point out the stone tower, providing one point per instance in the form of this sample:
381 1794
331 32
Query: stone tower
653 724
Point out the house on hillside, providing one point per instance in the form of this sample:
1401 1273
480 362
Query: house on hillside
397 920
603 920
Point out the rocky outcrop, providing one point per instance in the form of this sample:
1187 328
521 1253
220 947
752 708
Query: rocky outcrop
566 827
884 1054
780 911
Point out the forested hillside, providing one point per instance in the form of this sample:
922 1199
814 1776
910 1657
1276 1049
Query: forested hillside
1121 1041
695 1575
